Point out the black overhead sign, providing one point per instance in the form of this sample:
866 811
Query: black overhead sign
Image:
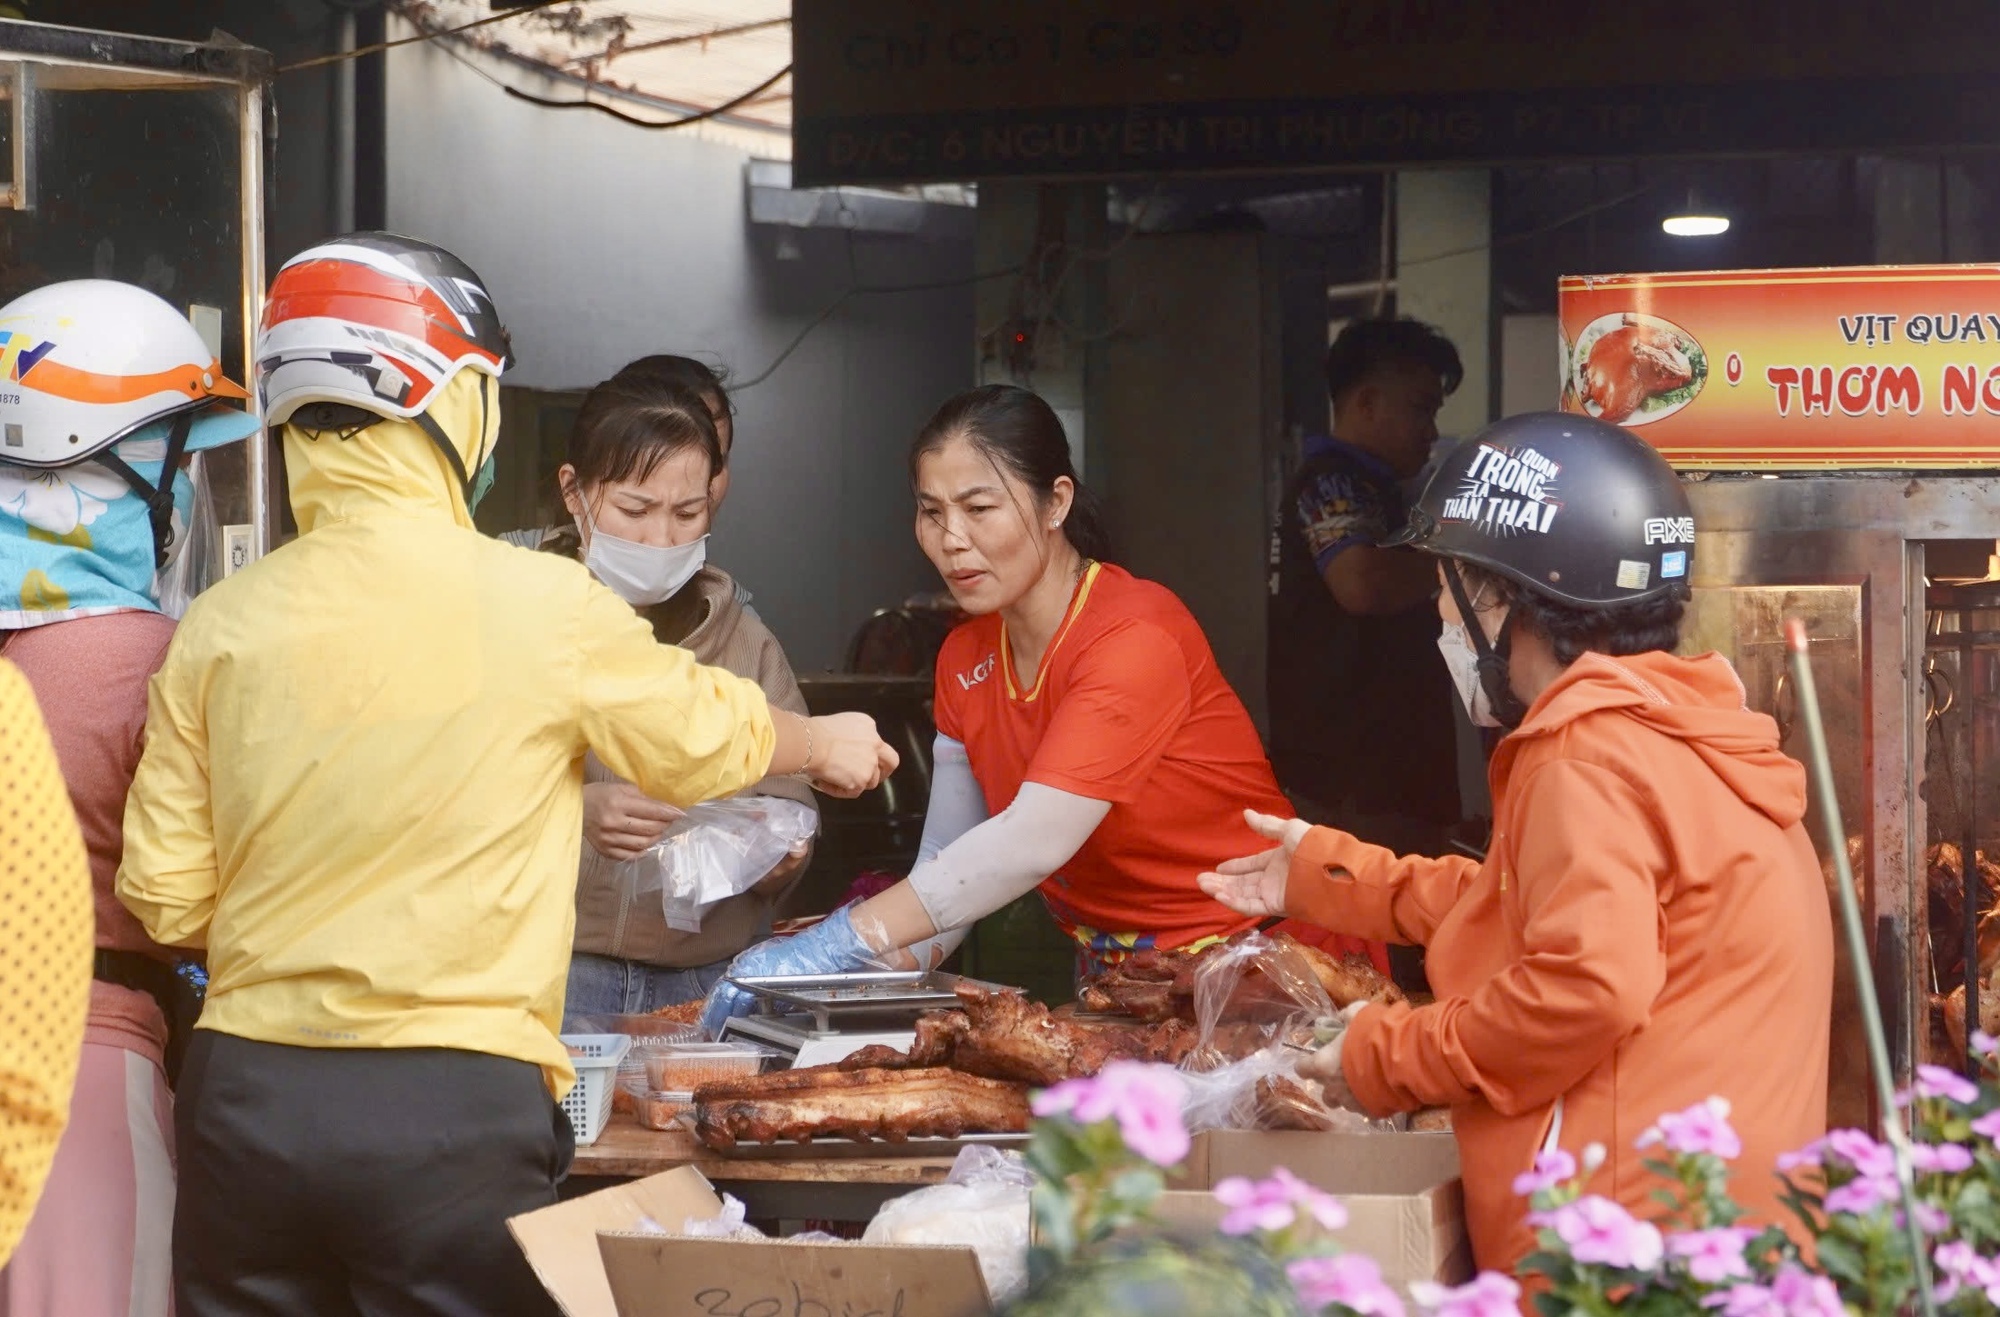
909 90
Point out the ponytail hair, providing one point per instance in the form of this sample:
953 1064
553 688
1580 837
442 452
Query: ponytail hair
1014 429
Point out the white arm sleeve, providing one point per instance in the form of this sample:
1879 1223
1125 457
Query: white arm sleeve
1004 857
957 805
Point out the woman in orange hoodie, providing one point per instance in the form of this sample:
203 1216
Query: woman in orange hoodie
1649 926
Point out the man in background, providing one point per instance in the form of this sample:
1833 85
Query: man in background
1363 736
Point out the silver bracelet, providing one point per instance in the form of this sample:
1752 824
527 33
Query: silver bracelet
805 770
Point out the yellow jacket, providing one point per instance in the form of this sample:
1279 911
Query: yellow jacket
362 783
45 958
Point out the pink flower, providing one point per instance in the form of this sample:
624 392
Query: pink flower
1985 1044
1489 1294
1350 1280
1702 1128
1600 1232
1274 1204
1792 1294
1861 1152
1713 1256
1931 1220
1934 1081
1144 1099
1862 1195
1810 1155
1803 1295
1960 1267
1940 1158
1550 1170
1745 1300
1988 1126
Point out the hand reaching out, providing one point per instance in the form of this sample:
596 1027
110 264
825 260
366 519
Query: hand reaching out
1255 885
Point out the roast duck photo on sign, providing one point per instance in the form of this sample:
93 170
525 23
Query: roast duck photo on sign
1247 1007
1631 368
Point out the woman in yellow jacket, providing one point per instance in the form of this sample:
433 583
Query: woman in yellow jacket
361 793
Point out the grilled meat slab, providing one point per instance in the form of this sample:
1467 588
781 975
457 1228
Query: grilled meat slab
826 1102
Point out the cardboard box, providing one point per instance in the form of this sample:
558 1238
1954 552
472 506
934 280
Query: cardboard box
601 1256
1405 1206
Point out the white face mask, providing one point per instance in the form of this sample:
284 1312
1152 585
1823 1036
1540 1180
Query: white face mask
1463 661
641 574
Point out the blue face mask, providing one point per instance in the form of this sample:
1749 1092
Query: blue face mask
77 541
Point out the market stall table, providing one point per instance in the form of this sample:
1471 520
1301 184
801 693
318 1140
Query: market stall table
808 1186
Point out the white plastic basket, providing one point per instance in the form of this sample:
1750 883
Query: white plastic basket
596 1057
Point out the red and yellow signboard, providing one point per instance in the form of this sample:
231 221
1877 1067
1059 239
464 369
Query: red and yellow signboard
1885 366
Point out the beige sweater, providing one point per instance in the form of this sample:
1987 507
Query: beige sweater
709 620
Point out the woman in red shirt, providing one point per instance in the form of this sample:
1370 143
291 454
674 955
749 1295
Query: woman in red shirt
1087 743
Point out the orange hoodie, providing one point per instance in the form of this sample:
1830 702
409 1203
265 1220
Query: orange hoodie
1649 928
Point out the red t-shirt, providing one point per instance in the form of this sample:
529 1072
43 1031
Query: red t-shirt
1128 707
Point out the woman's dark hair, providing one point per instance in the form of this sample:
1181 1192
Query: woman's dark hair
1014 429
686 373
1635 628
1367 346
629 424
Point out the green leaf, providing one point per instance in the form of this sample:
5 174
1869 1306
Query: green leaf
1840 1259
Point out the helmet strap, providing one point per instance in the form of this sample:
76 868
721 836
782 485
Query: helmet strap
1493 673
444 445
159 499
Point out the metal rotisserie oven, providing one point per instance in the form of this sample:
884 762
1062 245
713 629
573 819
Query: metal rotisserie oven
1840 433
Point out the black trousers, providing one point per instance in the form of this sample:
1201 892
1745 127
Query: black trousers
371 1183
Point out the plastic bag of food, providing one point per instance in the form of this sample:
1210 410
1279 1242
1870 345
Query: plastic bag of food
718 849
1265 1091
982 1205
729 1223
1255 982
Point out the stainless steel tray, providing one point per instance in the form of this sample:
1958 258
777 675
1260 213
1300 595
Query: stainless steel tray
849 1149
887 992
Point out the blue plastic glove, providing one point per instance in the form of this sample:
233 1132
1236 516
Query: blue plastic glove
829 947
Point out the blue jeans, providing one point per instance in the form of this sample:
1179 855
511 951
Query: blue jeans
602 985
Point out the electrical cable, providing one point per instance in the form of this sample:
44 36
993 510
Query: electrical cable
685 39
381 46
696 116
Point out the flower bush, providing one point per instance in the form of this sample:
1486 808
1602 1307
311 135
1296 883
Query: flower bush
1102 1149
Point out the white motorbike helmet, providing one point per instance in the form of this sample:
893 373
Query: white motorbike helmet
86 363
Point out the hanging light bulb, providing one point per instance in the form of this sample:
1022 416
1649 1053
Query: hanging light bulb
1695 221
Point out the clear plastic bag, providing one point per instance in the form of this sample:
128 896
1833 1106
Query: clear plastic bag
718 849
1255 982
1265 1091
982 1205
195 562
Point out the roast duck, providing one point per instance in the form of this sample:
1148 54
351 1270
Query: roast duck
969 1070
1944 884
1630 364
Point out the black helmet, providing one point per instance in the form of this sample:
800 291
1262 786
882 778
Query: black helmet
1576 509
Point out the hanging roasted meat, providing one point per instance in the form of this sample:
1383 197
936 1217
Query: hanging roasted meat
1630 364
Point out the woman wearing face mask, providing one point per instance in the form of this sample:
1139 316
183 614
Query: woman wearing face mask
641 460
705 381
1650 928
1087 743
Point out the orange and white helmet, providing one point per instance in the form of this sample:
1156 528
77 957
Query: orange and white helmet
86 362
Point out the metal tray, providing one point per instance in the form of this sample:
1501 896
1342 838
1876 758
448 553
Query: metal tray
849 1149
887 992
